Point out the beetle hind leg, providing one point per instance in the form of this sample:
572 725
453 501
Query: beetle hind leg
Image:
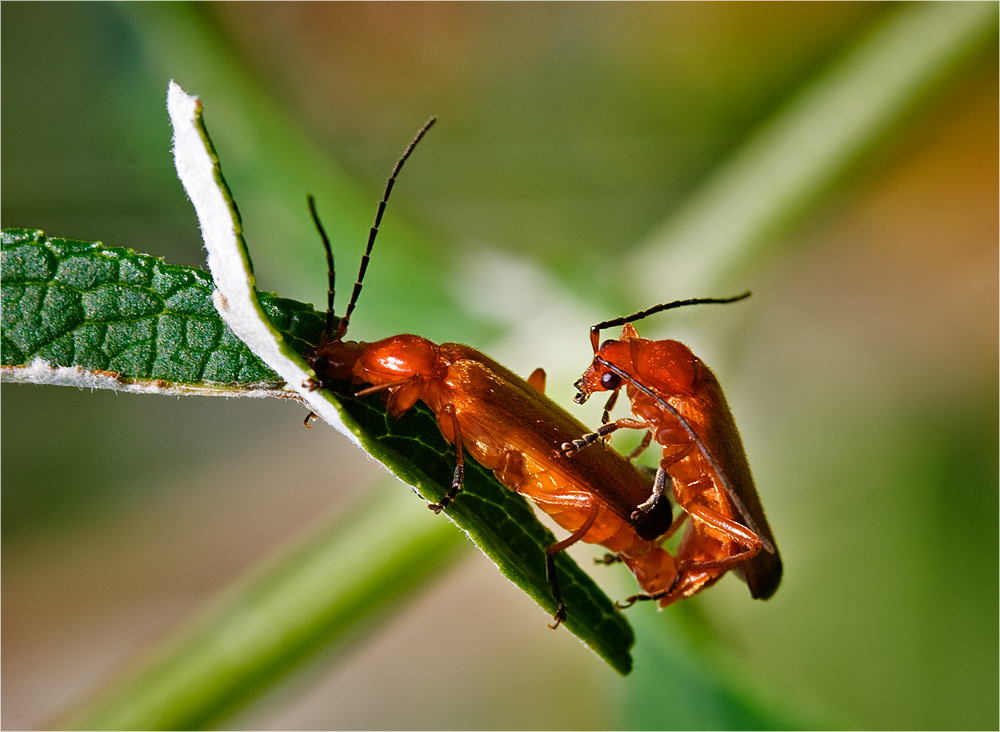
550 564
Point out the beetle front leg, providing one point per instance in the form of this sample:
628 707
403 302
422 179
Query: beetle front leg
608 406
568 448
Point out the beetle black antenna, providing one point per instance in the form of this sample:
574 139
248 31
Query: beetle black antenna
330 271
595 331
342 328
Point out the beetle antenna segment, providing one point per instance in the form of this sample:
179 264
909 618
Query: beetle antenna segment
330 272
768 546
342 328
595 331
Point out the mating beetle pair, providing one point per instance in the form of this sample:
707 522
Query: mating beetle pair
539 450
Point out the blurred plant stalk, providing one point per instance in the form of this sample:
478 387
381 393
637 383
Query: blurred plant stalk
351 572
780 173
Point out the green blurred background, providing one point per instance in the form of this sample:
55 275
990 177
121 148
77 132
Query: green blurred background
863 372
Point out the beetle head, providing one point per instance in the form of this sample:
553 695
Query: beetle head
335 360
605 373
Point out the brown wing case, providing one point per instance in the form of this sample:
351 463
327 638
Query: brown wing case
763 572
540 433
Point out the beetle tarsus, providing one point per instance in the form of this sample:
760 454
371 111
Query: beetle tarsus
633 599
647 507
570 448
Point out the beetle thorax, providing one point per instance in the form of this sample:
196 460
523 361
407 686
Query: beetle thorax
398 358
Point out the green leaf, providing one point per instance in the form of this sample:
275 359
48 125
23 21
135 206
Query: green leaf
129 317
500 521
327 589
165 313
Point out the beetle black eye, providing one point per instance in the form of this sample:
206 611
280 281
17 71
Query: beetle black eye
321 363
606 343
611 380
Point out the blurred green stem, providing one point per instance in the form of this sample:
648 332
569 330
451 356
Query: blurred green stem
350 573
792 159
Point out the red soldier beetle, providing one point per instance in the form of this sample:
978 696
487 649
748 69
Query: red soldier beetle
504 422
678 401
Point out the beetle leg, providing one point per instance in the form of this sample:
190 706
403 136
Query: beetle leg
630 601
550 563
732 531
310 418
729 529
459 477
568 448
659 491
647 438
685 567
606 417
387 386
661 484
680 451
